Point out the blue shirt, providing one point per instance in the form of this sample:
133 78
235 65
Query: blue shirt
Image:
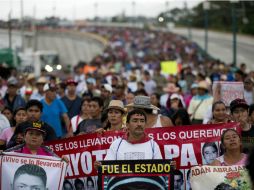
52 113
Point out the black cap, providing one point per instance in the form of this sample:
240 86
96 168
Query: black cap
27 125
238 103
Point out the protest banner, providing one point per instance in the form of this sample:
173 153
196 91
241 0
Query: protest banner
25 171
185 145
227 91
136 174
219 177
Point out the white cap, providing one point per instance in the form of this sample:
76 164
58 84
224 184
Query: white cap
108 87
174 96
49 86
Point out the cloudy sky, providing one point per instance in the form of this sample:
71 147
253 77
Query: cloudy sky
80 9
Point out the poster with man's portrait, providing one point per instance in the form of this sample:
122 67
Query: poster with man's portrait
136 175
210 151
23 171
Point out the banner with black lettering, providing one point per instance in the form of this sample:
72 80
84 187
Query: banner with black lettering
220 177
187 145
25 171
136 174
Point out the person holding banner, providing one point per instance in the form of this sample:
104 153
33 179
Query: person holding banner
33 140
219 113
135 145
115 113
34 111
239 111
231 143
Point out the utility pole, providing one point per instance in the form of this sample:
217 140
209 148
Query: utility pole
188 20
206 7
22 24
95 10
9 31
234 31
133 3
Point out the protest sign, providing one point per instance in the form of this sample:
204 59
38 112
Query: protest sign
227 91
169 67
185 145
22 171
219 177
136 174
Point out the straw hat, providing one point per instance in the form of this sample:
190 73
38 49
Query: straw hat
143 102
203 85
41 80
116 104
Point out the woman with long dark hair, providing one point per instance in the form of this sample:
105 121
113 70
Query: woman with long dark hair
232 147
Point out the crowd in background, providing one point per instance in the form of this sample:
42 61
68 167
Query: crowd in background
128 75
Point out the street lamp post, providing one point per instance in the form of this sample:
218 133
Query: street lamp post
234 31
206 7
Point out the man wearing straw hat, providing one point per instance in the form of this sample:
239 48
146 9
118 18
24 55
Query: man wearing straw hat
153 118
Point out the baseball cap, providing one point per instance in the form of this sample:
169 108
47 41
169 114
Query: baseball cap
71 81
174 96
49 86
107 87
12 81
91 81
238 103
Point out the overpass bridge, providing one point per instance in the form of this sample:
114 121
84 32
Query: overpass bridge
74 46
71 46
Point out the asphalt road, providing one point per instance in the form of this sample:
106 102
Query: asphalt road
220 45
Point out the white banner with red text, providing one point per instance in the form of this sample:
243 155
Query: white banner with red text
219 177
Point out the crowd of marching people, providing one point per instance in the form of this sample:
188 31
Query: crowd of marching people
127 90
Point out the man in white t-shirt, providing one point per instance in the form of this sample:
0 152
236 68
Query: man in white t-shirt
135 145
